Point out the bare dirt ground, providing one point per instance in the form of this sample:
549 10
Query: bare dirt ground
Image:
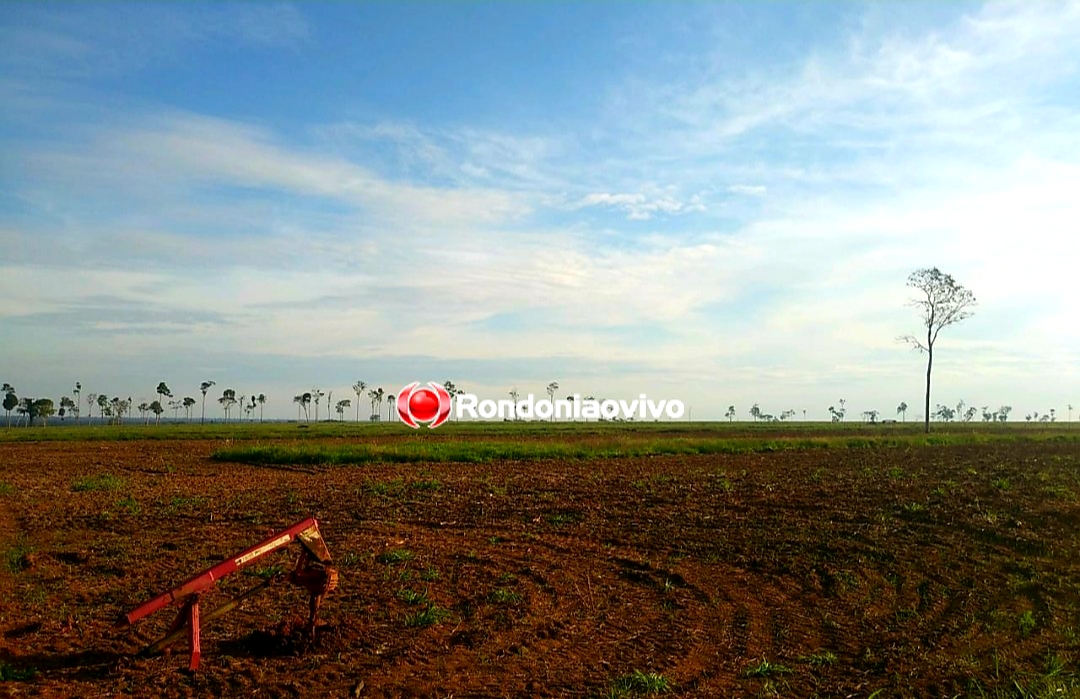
919 572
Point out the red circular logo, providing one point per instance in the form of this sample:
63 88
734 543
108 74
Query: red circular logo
424 405
430 404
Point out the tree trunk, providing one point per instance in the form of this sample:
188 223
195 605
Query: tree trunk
929 366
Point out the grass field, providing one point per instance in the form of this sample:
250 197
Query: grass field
562 560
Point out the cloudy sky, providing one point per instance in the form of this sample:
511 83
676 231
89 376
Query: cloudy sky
718 202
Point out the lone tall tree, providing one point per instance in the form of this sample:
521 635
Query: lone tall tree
942 302
204 387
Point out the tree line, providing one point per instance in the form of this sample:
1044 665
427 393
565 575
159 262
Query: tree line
941 300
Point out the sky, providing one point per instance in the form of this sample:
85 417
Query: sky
717 202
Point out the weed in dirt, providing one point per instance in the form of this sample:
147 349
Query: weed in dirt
429 616
1001 483
6 488
395 556
1026 624
429 574
766 669
637 683
428 485
411 596
385 488
10 673
350 559
560 518
15 558
820 659
130 504
105 481
265 572
501 595
914 507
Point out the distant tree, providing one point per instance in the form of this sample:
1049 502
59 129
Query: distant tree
11 401
329 397
987 416
204 387
945 413
144 412
376 403
838 413
755 412
103 403
871 415
305 402
730 414
786 414
162 391
454 391
943 302
514 396
1003 413
117 408
341 406
390 397
157 409
77 392
317 395
45 410
970 413
188 403
902 410
66 406
1070 412
358 389
261 400
174 406
91 401
551 388
298 399
1053 415
227 401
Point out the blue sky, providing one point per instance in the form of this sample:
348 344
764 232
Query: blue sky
718 202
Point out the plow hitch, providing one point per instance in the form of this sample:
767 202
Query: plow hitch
313 572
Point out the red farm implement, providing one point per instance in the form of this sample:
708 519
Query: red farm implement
313 572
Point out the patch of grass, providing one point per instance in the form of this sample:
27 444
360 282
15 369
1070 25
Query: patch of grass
411 596
1001 483
10 673
265 572
766 669
395 556
429 574
101 482
130 504
6 488
820 659
429 485
501 595
637 440
637 683
1026 624
15 557
558 519
429 616
385 488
